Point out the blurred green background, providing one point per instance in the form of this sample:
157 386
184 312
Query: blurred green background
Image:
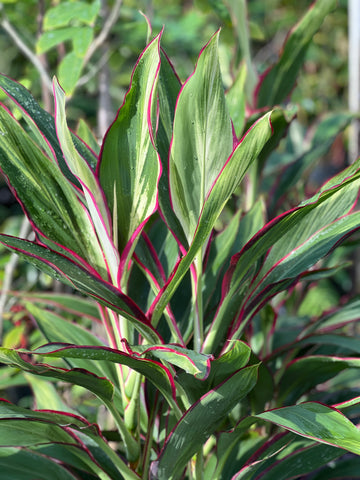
188 25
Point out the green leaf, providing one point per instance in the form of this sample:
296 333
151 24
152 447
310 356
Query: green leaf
298 377
86 134
279 237
159 375
226 244
99 386
345 468
307 253
22 464
57 433
66 12
129 166
318 422
201 117
82 40
69 72
56 329
93 193
46 396
49 40
324 136
239 17
295 455
200 421
192 362
68 272
42 125
236 100
221 369
279 81
169 88
82 307
49 200
228 180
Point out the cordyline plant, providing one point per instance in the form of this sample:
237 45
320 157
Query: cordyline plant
189 364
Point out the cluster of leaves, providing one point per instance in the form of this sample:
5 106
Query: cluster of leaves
182 331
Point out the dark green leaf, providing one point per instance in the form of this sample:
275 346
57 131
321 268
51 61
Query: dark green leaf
200 421
318 422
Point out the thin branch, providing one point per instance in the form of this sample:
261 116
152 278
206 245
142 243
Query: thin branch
9 273
101 38
94 70
6 25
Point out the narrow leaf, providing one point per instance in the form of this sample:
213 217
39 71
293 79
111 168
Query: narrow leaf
192 362
42 125
99 386
68 272
154 371
229 178
279 80
129 166
46 195
318 422
201 117
200 421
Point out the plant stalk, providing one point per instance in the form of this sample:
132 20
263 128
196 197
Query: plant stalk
198 310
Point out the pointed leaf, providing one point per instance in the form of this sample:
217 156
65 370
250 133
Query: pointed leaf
221 369
304 256
333 200
84 454
201 117
90 453
324 136
298 379
42 125
25 465
279 80
169 88
129 167
298 457
68 272
200 421
93 193
236 100
99 386
192 362
57 329
154 371
318 422
229 178
46 195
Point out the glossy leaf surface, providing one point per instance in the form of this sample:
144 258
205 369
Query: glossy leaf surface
68 272
201 116
129 166
200 421
319 422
